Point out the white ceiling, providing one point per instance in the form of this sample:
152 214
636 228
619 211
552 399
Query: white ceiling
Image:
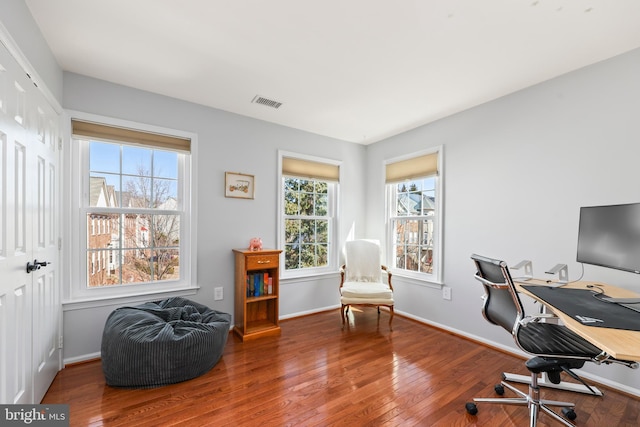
355 70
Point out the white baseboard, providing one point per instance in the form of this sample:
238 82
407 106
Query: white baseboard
82 358
305 313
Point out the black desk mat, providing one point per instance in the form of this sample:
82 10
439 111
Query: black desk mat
584 307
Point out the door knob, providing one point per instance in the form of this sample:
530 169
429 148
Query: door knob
36 265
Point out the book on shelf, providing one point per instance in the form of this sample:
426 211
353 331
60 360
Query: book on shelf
259 284
265 283
256 285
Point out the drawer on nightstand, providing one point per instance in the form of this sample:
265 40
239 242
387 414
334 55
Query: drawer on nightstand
258 262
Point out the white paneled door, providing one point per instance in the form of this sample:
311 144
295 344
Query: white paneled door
30 307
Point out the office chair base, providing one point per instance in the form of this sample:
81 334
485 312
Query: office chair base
532 401
544 382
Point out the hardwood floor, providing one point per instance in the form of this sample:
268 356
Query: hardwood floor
316 374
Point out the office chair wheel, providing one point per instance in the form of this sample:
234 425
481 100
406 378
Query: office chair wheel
569 413
499 389
471 408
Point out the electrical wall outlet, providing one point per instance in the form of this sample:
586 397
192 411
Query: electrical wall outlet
218 293
446 293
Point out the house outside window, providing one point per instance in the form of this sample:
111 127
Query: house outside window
414 206
134 200
308 197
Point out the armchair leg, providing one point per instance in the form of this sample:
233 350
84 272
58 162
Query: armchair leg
344 311
344 314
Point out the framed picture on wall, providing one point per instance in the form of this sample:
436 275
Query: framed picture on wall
239 185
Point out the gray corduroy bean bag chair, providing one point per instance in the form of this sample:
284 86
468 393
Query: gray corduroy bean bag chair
162 342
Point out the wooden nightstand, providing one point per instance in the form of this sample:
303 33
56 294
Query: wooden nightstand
256 293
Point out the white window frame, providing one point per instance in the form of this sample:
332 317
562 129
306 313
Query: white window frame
436 275
76 293
333 190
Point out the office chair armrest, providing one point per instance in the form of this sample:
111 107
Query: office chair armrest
489 283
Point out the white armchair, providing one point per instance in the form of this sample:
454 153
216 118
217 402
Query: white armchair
361 278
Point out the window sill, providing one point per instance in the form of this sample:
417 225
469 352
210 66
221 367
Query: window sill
81 304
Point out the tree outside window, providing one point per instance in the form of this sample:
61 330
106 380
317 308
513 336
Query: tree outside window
306 223
134 190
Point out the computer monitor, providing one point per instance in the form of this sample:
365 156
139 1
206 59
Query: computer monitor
609 236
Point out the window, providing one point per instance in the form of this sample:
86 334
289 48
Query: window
414 216
133 199
308 194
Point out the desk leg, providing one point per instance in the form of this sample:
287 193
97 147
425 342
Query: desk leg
544 382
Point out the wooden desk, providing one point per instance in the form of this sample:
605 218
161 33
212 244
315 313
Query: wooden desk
618 343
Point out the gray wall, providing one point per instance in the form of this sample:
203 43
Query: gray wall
517 171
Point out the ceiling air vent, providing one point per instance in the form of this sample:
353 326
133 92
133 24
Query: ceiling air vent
266 101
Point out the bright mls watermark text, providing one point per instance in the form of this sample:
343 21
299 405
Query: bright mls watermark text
34 415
